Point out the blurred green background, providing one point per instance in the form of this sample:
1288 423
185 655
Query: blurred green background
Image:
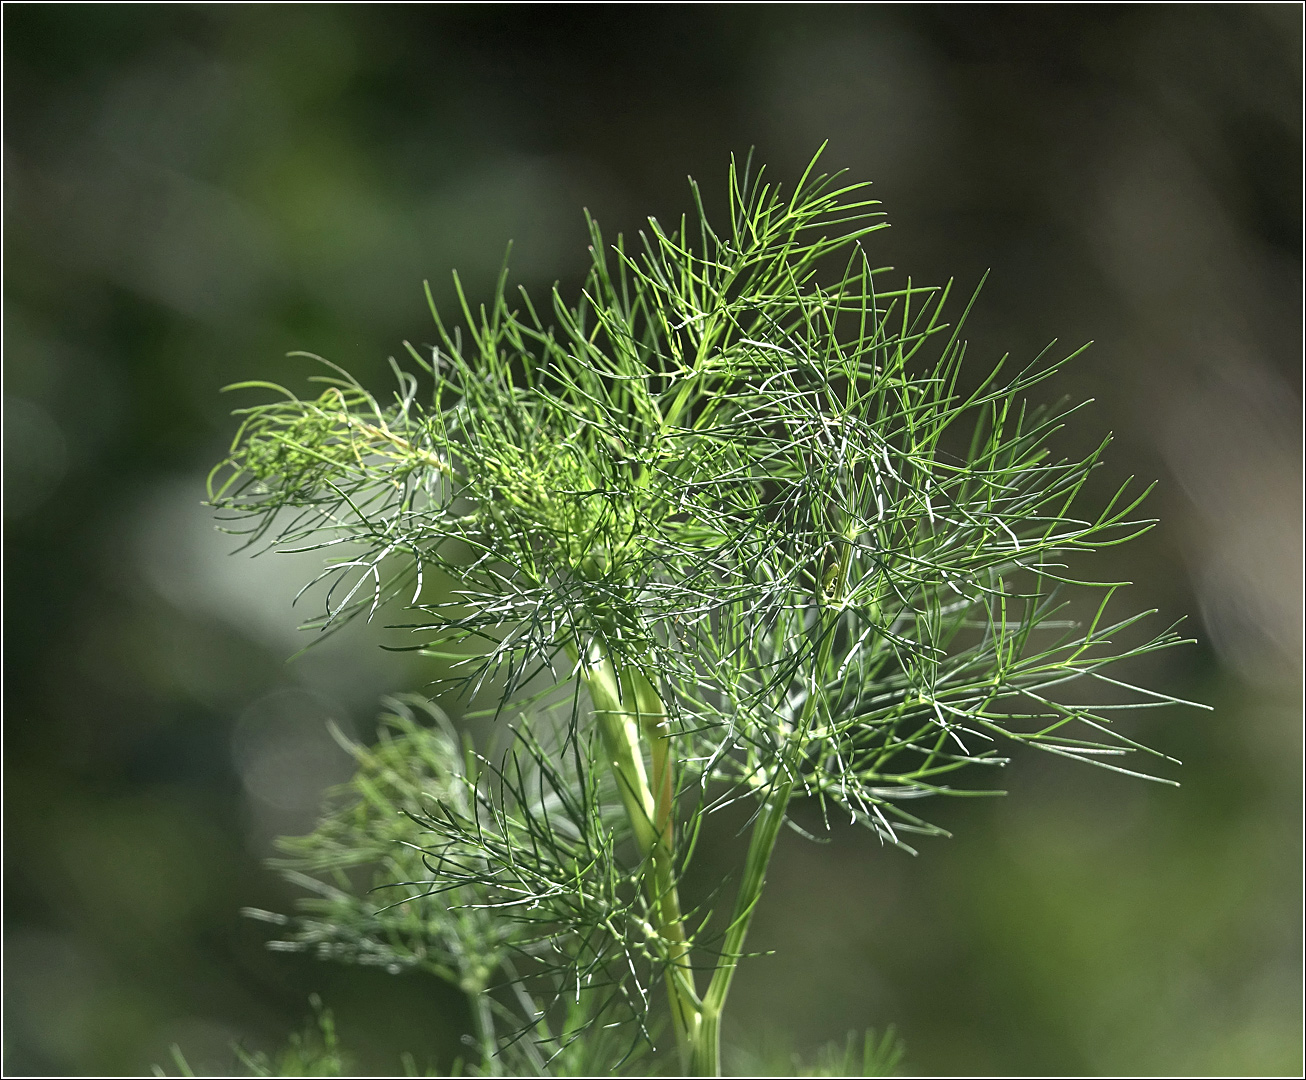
193 191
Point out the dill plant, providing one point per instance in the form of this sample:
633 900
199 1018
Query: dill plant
727 529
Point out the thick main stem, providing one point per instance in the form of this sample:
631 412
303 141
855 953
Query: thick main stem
625 708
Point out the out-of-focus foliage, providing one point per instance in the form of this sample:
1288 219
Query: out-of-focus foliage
873 1054
379 918
193 191
315 1051
367 870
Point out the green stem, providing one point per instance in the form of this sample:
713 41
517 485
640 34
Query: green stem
766 830
483 1021
623 706
619 728
706 1058
626 707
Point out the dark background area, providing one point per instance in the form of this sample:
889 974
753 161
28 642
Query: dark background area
192 192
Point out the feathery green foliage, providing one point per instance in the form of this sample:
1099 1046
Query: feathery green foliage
730 527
